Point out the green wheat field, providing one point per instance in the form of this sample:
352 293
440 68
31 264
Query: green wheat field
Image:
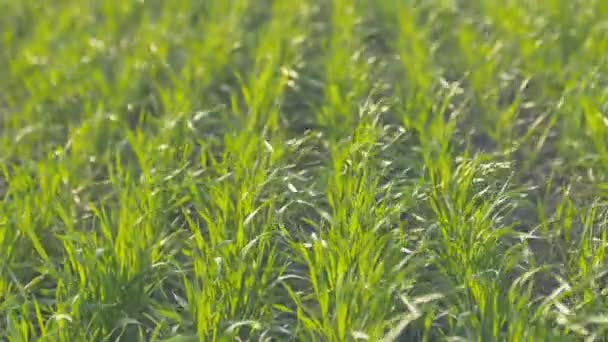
313 170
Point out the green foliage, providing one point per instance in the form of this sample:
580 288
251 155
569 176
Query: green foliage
303 170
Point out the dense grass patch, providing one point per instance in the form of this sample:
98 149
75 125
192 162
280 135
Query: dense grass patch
309 170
